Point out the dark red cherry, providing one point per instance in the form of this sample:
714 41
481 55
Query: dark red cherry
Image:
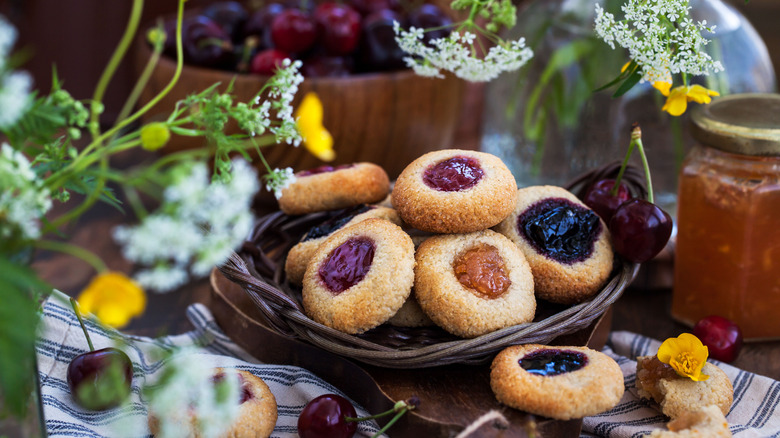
293 31
430 16
378 49
267 61
722 337
324 417
454 174
228 15
367 7
322 65
205 43
347 264
552 362
599 197
339 27
100 379
639 230
259 23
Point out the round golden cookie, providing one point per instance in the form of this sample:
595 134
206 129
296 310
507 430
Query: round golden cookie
341 187
257 413
300 254
595 385
496 290
336 296
487 196
706 422
676 394
560 278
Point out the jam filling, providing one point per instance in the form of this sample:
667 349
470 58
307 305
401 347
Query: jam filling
560 230
482 269
454 174
329 226
324 169
348 264
246 394
552 362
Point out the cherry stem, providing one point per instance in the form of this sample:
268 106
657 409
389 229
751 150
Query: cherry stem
400 408
636 137
81 323
622 170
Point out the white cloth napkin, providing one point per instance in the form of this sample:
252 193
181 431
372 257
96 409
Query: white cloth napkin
755 411
61 339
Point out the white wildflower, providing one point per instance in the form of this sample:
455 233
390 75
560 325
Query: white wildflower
197 226
661 47
455 54
188 397
7 39
23 199
278 180
14 97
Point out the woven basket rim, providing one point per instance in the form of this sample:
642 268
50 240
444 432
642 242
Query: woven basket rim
283 312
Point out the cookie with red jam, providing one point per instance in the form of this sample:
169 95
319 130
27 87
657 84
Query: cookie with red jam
300 254
360 276
257 413
556 382
565 242
473 284
331 188
454 191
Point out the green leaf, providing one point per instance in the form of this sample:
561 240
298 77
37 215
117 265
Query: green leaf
629 83
18 323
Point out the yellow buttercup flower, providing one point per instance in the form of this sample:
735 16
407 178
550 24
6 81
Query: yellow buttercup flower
316 138
113 298
686 354
677 99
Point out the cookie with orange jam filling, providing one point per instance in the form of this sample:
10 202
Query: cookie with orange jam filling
473 284
360 276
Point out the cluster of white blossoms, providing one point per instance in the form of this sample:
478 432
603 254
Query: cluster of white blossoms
189 392
14 85
455 54
197 226
283 87
660 37
278 180
23 199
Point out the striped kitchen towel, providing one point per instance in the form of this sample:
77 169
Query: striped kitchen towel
755 411
61 339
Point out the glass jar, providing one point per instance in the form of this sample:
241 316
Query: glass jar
727 258
546 123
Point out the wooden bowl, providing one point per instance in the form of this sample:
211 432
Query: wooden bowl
384 118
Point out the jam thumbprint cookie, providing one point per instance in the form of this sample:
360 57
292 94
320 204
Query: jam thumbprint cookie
556 382
360 276
707 422
565 242
302 252
454 191
331 188
675 394
257 413
473 284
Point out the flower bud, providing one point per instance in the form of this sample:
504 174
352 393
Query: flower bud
154 136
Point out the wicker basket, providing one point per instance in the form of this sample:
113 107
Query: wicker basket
259 270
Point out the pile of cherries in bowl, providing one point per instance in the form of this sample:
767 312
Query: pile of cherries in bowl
331 37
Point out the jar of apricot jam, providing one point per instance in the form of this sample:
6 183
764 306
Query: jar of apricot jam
727 258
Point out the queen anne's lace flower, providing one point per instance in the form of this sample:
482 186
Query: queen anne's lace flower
660 37
199 223
278 180
455 54
23 199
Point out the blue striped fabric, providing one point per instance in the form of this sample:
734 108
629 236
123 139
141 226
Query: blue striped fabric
755 411
61 339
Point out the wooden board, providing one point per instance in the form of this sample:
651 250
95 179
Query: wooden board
452 396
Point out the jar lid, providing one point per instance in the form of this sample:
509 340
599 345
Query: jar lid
747 124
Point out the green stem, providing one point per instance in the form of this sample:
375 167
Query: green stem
389 423
636 135
81 323
113 64
76 251
135 94
622 170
